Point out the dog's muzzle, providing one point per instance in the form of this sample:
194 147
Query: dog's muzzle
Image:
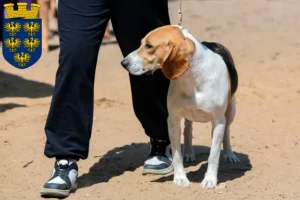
133 68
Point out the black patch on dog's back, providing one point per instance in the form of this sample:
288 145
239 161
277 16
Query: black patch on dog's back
226 55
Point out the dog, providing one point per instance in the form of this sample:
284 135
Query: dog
203 83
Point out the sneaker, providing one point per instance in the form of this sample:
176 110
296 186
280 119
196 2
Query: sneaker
159 159
62 181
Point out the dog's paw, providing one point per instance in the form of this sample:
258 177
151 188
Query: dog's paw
209 182
181 180
189 157
231 158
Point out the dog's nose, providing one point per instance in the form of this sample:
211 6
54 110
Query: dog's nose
125 63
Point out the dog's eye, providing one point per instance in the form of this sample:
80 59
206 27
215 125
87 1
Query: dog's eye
148 46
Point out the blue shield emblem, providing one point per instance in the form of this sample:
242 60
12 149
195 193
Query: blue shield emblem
22 41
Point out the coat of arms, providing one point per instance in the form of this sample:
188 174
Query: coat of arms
22 35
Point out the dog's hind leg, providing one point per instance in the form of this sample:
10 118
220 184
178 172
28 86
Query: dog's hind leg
188 151
229 156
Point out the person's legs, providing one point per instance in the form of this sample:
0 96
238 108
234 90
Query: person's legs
81 26
108 36
132 20
1 20
53 8
44 15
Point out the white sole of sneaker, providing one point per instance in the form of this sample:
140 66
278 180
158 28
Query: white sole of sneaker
45 192
158 172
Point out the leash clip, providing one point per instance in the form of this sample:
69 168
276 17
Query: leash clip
179 14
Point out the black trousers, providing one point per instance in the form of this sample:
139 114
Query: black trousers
81 26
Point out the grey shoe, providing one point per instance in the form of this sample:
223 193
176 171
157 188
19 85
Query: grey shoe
63 180
159 159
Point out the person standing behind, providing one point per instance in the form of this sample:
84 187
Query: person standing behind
1 20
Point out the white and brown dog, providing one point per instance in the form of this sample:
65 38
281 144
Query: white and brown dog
203 83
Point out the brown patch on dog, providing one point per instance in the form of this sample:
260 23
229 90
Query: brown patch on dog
190 45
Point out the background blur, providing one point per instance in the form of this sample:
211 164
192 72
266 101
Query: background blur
263 37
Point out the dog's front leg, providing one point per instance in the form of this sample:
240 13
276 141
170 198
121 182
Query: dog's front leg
174 134
210 179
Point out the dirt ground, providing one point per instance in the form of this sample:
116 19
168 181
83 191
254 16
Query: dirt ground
263 37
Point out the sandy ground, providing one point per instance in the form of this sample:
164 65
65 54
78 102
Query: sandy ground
263 36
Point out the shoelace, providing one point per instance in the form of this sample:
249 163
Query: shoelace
61 172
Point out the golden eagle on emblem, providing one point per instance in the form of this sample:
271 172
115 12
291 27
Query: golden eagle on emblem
31 44
12 44
31 28
22 58
12 28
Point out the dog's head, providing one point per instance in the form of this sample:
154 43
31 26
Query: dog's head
164 48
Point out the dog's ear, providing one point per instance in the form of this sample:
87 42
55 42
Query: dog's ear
176 61
190 45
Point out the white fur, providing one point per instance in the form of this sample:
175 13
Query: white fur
200 95
136 64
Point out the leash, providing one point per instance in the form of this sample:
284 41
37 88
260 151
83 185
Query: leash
180 13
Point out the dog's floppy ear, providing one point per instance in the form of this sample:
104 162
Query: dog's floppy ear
176 61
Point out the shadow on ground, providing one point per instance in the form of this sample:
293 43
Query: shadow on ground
130 157
16 86
109 42
8 106
227 171
53 47
115 163
57 46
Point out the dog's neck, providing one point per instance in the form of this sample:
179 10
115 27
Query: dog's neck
193 78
